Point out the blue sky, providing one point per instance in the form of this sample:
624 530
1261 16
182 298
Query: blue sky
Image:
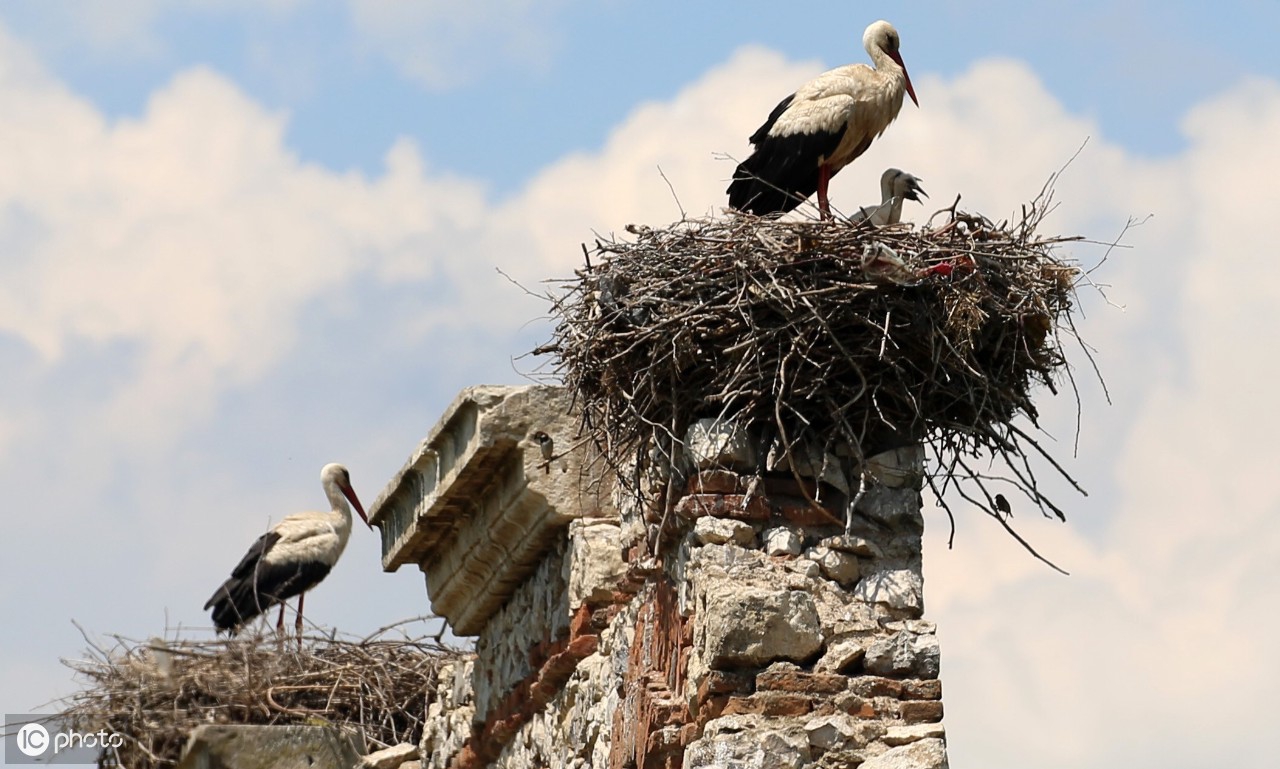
241 239
1135 66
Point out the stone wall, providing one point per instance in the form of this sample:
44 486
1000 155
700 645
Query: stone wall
769 631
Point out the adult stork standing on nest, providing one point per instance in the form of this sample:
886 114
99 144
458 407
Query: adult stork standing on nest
895 187
821 128
290 559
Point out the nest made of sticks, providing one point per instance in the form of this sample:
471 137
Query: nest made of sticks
154 693
854 337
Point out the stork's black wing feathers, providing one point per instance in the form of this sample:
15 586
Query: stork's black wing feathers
782 171
762 132
256 585
258 549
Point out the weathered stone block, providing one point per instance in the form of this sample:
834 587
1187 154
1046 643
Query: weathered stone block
595 561
905 735
841 731
390 758
897 588
783 540
924 754
717 531
720 443
897 468
848 543
219 746
842 655
748 742
805 568
836 565
808 461
904 654
755 625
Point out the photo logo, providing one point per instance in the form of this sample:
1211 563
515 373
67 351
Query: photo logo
33 740
50 740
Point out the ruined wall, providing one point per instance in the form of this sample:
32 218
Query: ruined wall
767 633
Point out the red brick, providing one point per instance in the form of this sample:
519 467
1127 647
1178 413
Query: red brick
788 486
744 508
580 623
711 707
922 689
689 733
719 682
697 505
582 647
716 482
466 759
799 681
922 711
769 704
802 513
875 686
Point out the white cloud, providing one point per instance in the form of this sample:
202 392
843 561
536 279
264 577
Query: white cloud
191 231
127 27
195 240
444 44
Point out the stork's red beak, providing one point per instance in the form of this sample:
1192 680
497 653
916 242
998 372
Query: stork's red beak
897 57
350 494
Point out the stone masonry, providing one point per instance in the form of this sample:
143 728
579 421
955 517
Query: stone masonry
765 632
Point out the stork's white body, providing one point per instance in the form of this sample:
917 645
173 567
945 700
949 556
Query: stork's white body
855 101
317 537
291 558
822 127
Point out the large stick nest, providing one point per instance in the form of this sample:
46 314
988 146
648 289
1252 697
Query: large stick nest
851 336
154 693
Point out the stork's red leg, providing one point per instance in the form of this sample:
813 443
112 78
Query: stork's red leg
298 625
824 205
280 621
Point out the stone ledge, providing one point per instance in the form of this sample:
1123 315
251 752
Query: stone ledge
218 746
478 501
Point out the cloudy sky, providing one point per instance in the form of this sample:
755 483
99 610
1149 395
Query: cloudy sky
243 238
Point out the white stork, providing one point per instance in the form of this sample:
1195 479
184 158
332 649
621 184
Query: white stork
895 187
821 128
288 560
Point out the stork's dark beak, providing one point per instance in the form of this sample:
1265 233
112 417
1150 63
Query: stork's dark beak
350 494
897 57
914 190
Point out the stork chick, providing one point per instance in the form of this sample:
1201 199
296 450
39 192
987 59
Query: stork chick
895 187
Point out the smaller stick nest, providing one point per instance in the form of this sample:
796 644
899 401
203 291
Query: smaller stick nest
154 693
850 336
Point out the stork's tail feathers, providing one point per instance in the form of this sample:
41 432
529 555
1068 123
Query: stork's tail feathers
236 603
764 195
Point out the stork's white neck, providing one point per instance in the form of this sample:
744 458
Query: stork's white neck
339 507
